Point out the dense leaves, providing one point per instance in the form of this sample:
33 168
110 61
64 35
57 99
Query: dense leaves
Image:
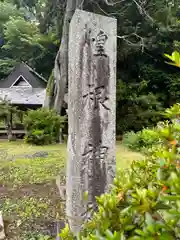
136 107
8 113
42 126
30 31
22 40
144 202
142 140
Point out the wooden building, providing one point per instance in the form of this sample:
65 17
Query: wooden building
24 88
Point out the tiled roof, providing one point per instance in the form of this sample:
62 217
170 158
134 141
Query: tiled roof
24 95
32 77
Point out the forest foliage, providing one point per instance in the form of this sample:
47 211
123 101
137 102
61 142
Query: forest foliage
30 31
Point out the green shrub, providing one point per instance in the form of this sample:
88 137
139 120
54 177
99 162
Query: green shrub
144 202
131 140
42 126
142 140
35 236
137 105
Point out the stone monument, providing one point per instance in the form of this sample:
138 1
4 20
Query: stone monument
91 112
2 233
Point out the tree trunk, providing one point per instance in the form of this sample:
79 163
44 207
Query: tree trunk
60 79
9 128
57 87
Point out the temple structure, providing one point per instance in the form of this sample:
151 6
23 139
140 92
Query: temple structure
24 88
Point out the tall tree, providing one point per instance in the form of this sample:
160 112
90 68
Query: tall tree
141 25
146 29
22 38
60 73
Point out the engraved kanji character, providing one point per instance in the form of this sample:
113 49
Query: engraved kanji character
96 95
100 41
98 152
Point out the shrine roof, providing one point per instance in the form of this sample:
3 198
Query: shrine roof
23 95
27 74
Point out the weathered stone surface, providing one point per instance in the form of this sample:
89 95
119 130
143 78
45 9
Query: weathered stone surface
2 233
91 111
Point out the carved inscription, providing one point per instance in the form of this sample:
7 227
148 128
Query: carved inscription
100 41
92 154
98 70
99 152
97 96
93 170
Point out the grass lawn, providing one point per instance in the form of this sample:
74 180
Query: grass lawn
29 198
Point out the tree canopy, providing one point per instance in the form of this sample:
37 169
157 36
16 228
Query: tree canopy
30 31
22 40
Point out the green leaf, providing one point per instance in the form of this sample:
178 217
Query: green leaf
139 232
175 58
122 237
109 234
150 228
169 56
162 162
161 205
130 227
170 197
148 218
165 236
135 238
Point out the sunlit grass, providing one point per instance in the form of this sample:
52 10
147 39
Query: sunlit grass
124 156
19 147
22 171
28 191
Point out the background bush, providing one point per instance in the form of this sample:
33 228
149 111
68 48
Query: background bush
136 107
142 140
42 126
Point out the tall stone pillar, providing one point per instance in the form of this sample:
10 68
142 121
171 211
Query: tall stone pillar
91 112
